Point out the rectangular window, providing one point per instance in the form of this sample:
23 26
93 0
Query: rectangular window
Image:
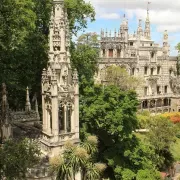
118 52
145 91
158 69
170 71
133 55
131 43
133 70
110 52
104 53
152 71
152 55
145 70
158 90
165 89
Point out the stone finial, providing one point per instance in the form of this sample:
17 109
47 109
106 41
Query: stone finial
165 35
102 33
110 33
36 107
106 33
115 33
134 35
4 104
139 29
75 76
28 104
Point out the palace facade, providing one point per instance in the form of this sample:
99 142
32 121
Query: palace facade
145 59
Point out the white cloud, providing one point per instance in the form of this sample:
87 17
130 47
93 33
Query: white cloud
163 13
110 16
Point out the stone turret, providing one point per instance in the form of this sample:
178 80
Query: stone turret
124 29
139 29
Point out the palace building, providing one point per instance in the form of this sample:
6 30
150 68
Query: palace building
145 59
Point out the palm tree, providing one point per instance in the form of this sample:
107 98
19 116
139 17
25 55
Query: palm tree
78 159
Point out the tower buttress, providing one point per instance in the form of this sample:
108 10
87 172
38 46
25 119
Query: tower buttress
60 96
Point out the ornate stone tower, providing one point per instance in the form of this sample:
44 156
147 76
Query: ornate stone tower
60 90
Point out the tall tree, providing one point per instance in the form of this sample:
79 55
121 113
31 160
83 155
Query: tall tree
118 76
79 11
161 135
84 56
16 157
24 42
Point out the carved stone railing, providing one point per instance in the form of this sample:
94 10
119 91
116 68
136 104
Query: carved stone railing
24 116
143 58
61 137
111 39
160 58
155 96
114 60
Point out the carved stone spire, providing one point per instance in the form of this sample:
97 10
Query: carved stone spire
124 29
165 43
28 104
147 31
139 29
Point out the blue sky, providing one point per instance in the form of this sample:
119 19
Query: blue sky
163 16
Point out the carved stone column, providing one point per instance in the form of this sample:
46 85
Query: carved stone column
65 118
155 105
142 106
44 114
169 104
149 104
107 53
162 104
48 118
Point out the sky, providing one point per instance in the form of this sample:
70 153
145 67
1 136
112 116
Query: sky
164 15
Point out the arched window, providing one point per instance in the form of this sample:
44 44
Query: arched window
61 118
68 117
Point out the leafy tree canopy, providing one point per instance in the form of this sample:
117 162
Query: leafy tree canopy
16 157
118 76
24 42
79 11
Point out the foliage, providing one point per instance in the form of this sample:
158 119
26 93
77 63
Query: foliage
16 157
90 39
84 57
173 116
77 159
118 76
78 13
175 150
161 135
178 62
148 175
111 114
24 42
143 119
